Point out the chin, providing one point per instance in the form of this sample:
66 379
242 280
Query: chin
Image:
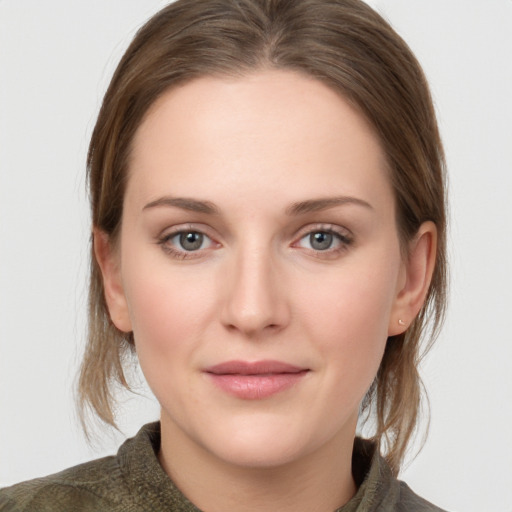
261 444
260 453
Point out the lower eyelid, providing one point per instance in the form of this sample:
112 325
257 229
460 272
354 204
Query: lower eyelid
173 249
343 240
179 255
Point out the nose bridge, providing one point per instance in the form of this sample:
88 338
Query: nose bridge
254 302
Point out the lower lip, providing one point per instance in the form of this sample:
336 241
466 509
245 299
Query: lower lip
256 387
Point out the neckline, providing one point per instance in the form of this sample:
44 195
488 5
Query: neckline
149 483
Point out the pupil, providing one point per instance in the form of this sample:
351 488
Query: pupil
191 241
321 240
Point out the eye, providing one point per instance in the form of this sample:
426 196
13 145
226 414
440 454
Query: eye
324 240
185 243
190 241
320 240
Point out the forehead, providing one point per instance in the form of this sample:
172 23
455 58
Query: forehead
278 127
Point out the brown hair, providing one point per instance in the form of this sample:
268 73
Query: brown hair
342 43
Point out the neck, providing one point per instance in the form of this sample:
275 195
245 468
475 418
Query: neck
320 481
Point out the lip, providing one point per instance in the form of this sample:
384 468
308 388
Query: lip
255 380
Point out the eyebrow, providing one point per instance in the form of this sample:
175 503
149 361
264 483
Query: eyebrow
316 205
185 203
298 208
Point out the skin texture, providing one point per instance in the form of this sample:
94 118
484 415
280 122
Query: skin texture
244 161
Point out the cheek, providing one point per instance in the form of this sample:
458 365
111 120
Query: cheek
353 304
167 308
165 318
348 316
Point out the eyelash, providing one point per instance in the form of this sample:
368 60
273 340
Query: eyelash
167 247
344 240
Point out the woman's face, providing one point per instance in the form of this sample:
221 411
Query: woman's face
259 265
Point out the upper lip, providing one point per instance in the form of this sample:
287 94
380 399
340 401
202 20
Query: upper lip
253 368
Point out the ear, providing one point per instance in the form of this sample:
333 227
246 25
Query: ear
415 278
108 259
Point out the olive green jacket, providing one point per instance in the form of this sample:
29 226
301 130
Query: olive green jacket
133 481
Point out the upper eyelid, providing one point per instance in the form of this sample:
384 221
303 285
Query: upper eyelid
164 240
166 235
329 228
171 231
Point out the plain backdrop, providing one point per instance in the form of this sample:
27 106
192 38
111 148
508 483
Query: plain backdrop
56 58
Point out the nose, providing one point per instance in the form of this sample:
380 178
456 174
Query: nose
254 293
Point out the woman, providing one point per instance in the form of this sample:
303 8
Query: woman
267 195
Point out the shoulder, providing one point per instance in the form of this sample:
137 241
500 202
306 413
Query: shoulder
379 489
131 480
409 501
93 486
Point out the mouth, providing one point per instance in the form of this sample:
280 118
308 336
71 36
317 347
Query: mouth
255 380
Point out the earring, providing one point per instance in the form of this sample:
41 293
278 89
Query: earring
401 322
